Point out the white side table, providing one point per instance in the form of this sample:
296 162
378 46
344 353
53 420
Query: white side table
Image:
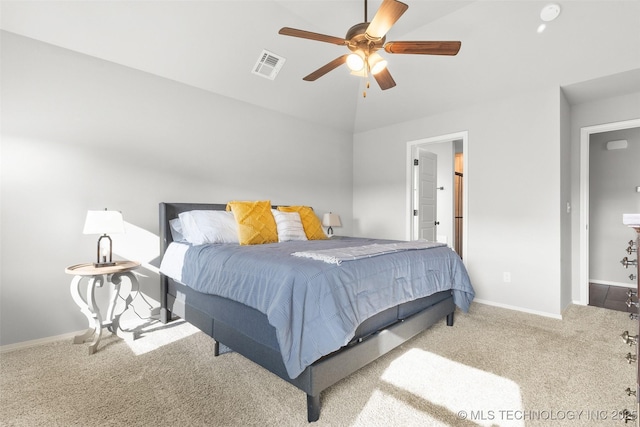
97 276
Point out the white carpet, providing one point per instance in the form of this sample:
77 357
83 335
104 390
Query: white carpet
494 367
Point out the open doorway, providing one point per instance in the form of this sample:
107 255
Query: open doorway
585 138
451 191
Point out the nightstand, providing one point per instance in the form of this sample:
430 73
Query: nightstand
97 277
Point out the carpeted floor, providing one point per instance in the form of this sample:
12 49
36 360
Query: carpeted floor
494 367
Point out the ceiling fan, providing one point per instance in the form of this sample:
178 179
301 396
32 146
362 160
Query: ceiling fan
366 38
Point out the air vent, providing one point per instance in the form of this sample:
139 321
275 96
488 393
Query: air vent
268 65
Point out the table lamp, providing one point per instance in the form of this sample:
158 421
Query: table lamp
104 222
331 220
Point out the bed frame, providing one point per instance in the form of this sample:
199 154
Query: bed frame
247 331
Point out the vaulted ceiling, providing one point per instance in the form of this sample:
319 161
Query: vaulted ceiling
214 45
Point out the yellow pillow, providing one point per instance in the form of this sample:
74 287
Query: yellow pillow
310 222
256 224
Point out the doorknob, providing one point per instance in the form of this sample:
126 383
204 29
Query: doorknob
436 223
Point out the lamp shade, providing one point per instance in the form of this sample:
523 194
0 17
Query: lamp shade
103 222
355 62
377 63
331 220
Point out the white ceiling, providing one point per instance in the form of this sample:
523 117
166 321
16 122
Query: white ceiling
213 45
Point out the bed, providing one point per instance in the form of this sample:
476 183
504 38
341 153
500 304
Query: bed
295 338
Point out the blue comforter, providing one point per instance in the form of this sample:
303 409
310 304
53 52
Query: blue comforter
315 307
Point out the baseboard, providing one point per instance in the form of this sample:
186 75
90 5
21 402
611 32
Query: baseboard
609 283
34 343
524 310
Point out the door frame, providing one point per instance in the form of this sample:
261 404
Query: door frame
422 143
585 136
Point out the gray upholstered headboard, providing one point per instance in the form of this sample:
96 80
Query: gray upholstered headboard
169 211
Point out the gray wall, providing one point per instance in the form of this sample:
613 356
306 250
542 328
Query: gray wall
520 172
80 133
613 178
513 176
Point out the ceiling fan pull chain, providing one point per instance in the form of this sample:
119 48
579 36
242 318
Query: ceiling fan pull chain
366 86
366 75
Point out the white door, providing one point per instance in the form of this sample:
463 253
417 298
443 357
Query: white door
425 207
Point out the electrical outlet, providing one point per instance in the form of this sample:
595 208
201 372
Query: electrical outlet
506 277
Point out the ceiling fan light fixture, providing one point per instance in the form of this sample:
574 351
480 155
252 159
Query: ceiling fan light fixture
355 62
377 63
365 38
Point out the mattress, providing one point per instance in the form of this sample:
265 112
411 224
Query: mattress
173 260
317 308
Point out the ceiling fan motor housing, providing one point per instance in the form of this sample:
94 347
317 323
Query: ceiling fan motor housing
358 40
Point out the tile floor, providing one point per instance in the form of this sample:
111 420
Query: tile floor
612 297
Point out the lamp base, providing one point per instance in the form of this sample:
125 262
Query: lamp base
103 264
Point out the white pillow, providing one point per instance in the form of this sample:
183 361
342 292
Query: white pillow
176 230
200 227
289 226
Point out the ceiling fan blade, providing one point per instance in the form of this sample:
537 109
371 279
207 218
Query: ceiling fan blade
326 68
390 11
424 48
286 31
384 79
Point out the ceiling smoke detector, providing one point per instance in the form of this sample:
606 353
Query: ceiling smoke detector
550 12
268 65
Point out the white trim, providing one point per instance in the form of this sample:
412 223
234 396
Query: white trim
411 146
610 283
40 341
514 308
585 134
